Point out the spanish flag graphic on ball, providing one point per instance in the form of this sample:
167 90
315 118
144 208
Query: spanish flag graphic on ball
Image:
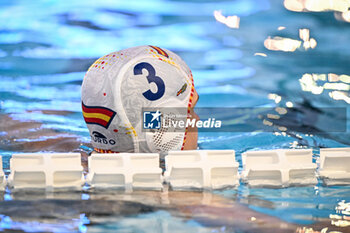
98 115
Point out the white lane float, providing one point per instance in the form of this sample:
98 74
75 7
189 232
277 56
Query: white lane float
125 170
2 176
204 169
279 168
335 166
46 170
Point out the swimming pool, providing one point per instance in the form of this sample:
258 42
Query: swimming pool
46 47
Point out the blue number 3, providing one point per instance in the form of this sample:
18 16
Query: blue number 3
152 78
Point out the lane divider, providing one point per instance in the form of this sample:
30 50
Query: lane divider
335 166
2 176
44 170
197 169
279 168
126 170
204 169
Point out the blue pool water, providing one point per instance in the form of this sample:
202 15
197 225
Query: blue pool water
46 47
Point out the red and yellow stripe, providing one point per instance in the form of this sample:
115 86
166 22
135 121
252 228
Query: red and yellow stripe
104 151
160 51
98 115
188 109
